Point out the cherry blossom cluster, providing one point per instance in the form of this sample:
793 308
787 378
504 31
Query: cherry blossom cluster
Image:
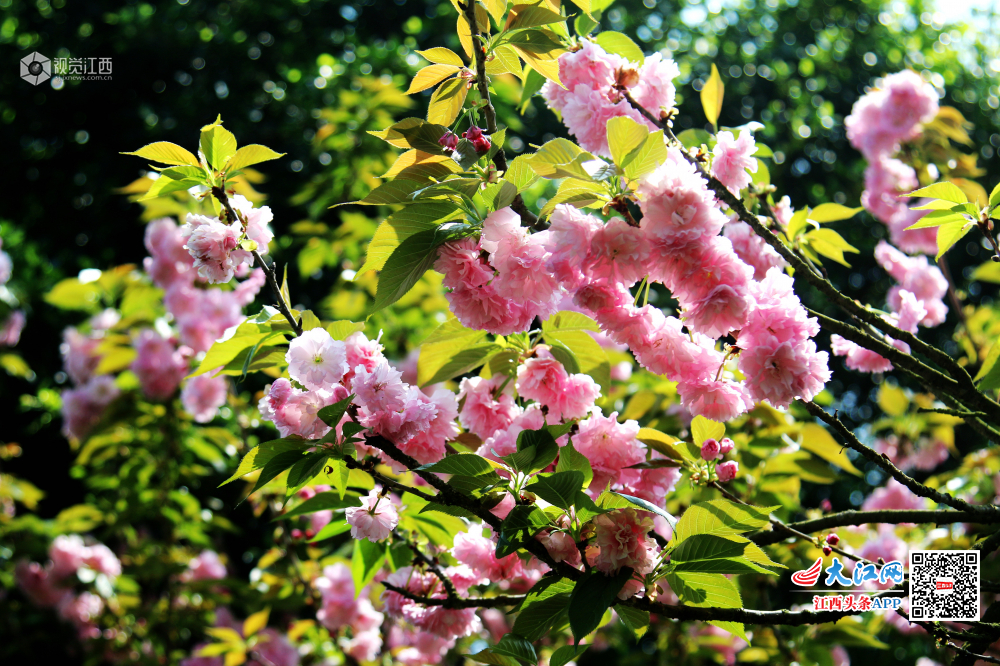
916 300
593 80
217 247
13 324
330 370
712 451
880 122
84 404
71 560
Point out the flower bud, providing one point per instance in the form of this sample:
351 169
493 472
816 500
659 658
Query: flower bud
726 445
827 550
626 77
727 470
826 505
449 140
832 539
710 449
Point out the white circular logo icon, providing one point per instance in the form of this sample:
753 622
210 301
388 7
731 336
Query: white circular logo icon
36 68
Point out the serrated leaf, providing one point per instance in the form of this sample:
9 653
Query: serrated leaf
951 233
518 647
943 190
711 96
218 145
431 76
404 268
559 488
165 152
593 595
936 219
830 244
646 505
264 452
721 517
164 185
520 173
366 560
496 8
620 44
816 439
576 193
531 16
521 524
466 464
250 155
331 414
703 429
442 56
325 501
403 224
275 466
570 459
636 620
414 133
447 101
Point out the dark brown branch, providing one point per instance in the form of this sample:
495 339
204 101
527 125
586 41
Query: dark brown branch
883 461
220 194
432 565
892 517
458 602
528 219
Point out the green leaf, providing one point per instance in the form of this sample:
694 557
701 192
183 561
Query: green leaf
566 654
518 647
404 267
392 192
366 560
218 145
499 195
447 101
570 329
71 294
570 459
451 510
532 83
936 219
488 656
331 530
264 452
331 414
711 96
521 524
431 76
584 25
633 148
989 373
520 173
995 196
708 590
343 329
951 233
576 193
832 212
442 56
943 190
165 185
306 469
559 488
166 153
536 450
830 244
702 429
540 49
636 620
250 155
275 466
816 439
543 606
713 554
802 465
561 158
415 133
324 501
466 464
721 517
403 224
694 138
593 595
620 44
531 16
652 508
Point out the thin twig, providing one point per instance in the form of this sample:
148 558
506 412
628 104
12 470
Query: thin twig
475 602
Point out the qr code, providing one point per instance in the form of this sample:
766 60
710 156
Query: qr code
944 585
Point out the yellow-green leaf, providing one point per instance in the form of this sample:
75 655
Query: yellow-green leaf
496 8
531 16
711 96
620 44
892 399
936 219
830 244
832 212
816 439
702 429
430 76
218 144
988 272
446 102
225 634
442 56
951 233
166 153
798 222
256 622
943 190
250 155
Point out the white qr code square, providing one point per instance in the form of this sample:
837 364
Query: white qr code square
944 585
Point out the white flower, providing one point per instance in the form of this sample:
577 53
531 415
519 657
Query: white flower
316 360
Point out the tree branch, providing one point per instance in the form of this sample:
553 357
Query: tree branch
888 516
220 194
883 461
458 602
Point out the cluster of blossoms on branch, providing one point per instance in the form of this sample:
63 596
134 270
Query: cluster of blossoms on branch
55 585
12 324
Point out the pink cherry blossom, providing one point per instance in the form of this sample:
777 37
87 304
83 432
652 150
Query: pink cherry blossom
618 254
101 559
479 554
857 357
891 114
203 395
68 553
11 328
213 245
733 160
916 275
294 411
462 264
206 566
257 221
716 399
914 241
622 537
169 263
519 259
316 360
375 519
159 364
568 241
380 389
609 446
544 379
274 649
364 646
727 470
893 495
80 355
885 180
752 249
782 372
710 449
562 548
486 408
83 406
40 584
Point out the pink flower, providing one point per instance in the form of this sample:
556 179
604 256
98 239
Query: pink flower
67 553
716 399
364 646
432 423
80 355
710 449
609 446
82 610
257 222
462 265
101 559
375 519
479 554
484 412
203 395
169 263
448 140
732 160
622 537
6 267
83 406
893 495
339 606
10 329
891 114
273 649
752 249
885 180
294 411
213 245
544 379
480 142
727 470
887 546
380 389
653 484
618 253
782 372
159 365
562 548
677 206
568 240
916 275
39 584
206 566
857 357
519 259
316 360
725 446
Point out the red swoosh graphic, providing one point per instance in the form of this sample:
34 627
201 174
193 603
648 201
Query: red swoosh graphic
808 577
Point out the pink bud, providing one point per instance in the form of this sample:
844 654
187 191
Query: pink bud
832 539
726 445
448 140
826 505
307 493
827 550
296 534
727 470
710 449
